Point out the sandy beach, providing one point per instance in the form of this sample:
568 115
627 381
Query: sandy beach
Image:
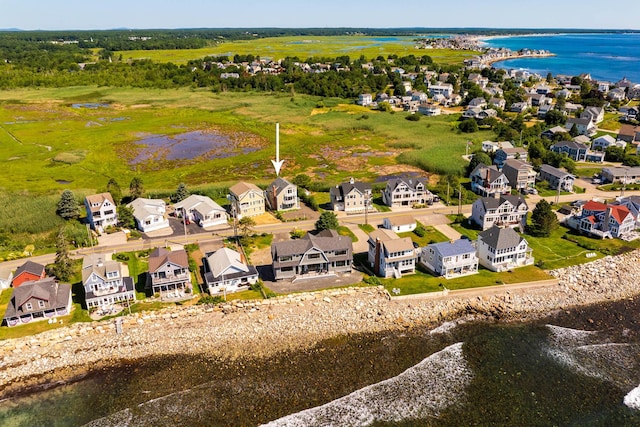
264 328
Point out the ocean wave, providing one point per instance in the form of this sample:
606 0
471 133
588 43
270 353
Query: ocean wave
632 399
421 391
446 327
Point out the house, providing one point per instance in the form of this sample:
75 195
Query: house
604 221
281 195
633 204
326 253
101 211
471 112
400 224
429 109
365 99
488 180
556 177
583 126
6 276
246 200
595 114
169 273
544 109
551 133
479 102
28 271
390 255
38 300
629 133
445 89
576 151
519 107
520 174
485 114
537 99
498 103
493 146
104 283
581 139
406 192
501 249
504 154
150 214
351 197
226 272
506 211
622 174
450 259
617 94
605 141
202 210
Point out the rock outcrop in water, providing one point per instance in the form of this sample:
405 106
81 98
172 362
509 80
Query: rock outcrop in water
263 328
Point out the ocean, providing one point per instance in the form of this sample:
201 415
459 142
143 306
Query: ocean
578 367
608 57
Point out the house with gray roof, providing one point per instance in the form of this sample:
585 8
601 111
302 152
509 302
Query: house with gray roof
38 300
505 211
226 272
406 192
450 259
622 174
351 197
605 141
324 254
520 174
28 271
281 195
556 177
583 126
104 283
504 154
488 180
501 249
169 274
577 151
595 114
391 255
101 211
150 214
202 210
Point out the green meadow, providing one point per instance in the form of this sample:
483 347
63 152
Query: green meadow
304 47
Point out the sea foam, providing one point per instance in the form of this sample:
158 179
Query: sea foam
632 399
421 391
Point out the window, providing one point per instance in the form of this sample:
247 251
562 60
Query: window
28 306
341 252
285 258
313 256
41 304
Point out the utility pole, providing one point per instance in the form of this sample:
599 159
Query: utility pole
184 224
367 199
559 188
448 200
460 200
624 184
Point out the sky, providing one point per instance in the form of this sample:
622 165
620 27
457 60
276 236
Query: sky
140 14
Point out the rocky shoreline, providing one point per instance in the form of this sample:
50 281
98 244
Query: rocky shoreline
264 328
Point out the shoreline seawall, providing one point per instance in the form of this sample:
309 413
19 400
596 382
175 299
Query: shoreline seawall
259 329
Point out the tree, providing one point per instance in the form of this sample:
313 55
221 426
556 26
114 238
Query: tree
181 193
478 157
62 267
68 206
574 131
302 180
136 188
246 223
327 221
554 118
614 154
543 220
125 217
114 189
468 126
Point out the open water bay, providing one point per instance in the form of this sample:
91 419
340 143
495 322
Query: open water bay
580 367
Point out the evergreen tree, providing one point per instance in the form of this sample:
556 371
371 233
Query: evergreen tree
327 221
68 206
136 188
574 131
62 267
543 220
181 193
125 217
114 189
246 223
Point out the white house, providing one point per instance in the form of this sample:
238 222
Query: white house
226 272
400 224
351 197
365 99
605 141
150 214
488 180
101 211
104 283
506 211
493 146
390 255
501 249
202 210
450 259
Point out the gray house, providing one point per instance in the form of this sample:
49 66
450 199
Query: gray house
226 272
104 283
351 197
406 192
38 300
450 259
520 174
326 253
506 211
281 195
169 273
555 177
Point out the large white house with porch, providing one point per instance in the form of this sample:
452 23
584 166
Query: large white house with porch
169 273
104 282
501 249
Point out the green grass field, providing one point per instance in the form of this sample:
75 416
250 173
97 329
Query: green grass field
304 47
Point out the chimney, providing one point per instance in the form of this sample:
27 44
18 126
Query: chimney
376 263
352 181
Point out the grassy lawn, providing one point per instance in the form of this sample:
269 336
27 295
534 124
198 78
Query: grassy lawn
466 229
431 235
367 228
343 230
556 252
138 263
587 171
304 47
422 282
32 328
606 246
611 122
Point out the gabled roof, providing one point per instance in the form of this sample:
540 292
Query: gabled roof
48 290
553 171
144 208
516 164
161 256
391 241
409 182
489 173
494 203
326 240
30 267
223 259
202 204
453 248
500 238
619 213
279 185
605 138
346 187
241 188
401 220
592 205
576 121
99 199
99 264
569 144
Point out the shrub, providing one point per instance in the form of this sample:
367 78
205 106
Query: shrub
372 280
210 299
413 117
